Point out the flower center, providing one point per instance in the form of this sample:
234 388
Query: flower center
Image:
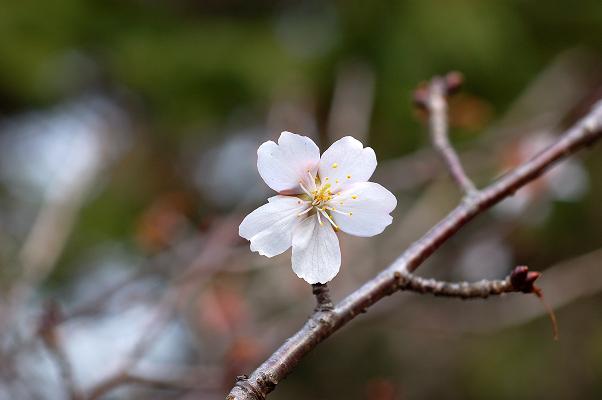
322 195
320 199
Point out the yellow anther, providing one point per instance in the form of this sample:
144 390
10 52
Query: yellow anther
348 176
350 214
336 181
354 197
326 178
322 195
335 165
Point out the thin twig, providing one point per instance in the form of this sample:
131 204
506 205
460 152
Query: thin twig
563 283
320 326
128 378
520 280
152 331
436 105
47 331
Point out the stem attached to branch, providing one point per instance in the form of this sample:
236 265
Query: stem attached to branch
320 290
321 325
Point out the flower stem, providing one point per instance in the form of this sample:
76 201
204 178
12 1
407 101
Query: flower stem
320 290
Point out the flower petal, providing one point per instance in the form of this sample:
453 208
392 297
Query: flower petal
282 166
346 161
270 227
316 252
362 209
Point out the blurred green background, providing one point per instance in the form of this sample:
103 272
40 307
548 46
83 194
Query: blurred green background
190 74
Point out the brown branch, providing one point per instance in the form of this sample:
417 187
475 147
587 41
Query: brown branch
433 99
321 325
520 280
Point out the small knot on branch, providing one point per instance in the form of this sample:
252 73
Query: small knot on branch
320 290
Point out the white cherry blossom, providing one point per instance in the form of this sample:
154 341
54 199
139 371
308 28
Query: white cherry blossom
317 197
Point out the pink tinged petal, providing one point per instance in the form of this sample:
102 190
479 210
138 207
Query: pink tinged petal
316 252
362 209
270 227
346 161
282 166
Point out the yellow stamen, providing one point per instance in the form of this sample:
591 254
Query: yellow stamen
305 189
328 218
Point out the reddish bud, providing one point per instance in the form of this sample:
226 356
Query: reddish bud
523 280
532 276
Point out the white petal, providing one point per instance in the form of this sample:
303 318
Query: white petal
316 252
270 227
346 161
282 166
363 209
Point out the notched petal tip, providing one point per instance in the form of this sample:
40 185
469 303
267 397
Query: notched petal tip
264 145
351 141
260 251
284 134
284 164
